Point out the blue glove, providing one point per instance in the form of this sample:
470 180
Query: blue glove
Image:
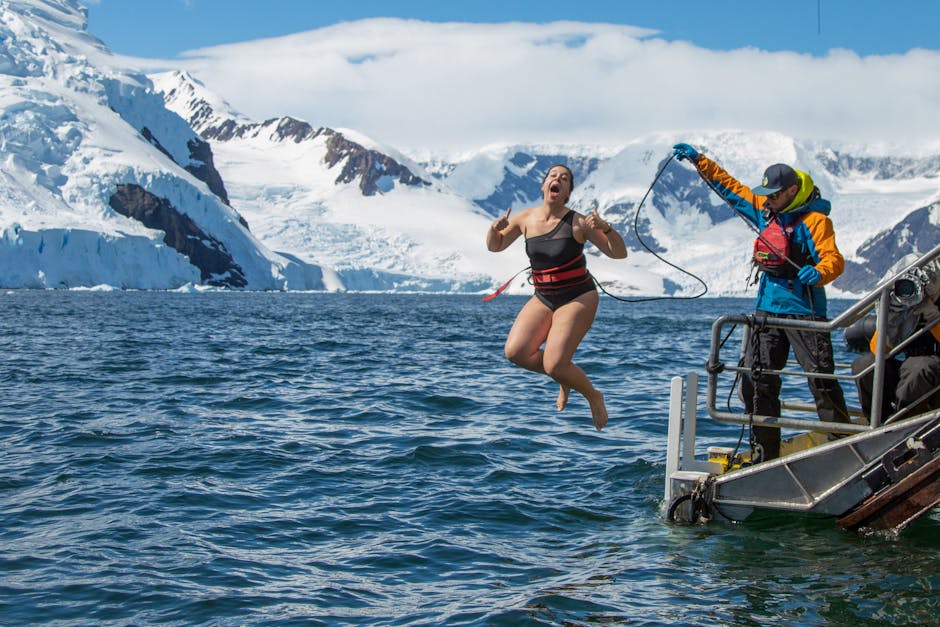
808 275
684 151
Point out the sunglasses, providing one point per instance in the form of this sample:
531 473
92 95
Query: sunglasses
777 194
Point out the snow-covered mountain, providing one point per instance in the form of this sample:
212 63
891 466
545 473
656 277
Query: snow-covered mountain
101 183
875 193
113 177
338 199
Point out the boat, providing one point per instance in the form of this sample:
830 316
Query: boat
871 475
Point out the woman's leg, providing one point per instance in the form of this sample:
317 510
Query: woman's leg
524 343
528 333
570 323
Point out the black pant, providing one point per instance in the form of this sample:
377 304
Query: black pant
904 382
768 350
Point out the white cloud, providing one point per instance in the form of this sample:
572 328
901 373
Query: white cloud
419 85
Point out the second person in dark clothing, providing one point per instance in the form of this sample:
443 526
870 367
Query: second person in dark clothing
912 378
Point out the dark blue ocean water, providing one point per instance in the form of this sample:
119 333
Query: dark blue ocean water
321 459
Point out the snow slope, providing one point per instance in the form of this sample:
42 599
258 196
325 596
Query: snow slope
74 126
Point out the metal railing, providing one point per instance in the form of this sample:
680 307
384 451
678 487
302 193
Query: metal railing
878 298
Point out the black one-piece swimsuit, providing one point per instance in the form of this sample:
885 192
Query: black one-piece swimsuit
555 249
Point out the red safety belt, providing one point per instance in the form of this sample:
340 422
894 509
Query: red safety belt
545 278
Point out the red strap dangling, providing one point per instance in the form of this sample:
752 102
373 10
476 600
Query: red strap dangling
503 288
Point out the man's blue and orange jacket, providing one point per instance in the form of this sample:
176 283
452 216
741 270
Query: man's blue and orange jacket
813 232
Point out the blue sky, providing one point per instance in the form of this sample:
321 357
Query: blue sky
811 26
452 76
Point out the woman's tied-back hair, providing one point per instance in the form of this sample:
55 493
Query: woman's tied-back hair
570 176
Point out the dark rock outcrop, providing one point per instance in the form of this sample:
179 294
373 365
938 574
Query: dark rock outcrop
215 264
200 152
879 168
375 171
916 233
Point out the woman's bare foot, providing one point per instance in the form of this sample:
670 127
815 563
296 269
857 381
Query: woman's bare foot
562 402
598 409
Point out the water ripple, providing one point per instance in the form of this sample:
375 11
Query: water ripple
350 459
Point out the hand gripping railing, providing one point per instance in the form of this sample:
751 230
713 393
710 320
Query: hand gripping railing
877 298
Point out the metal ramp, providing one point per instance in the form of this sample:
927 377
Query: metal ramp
827 480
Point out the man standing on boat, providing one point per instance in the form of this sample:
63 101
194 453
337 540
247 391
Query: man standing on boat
796 254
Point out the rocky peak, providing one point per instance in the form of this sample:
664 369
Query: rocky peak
916 233
214 120
376 172
841 164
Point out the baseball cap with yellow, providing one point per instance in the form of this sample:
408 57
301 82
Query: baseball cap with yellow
776 177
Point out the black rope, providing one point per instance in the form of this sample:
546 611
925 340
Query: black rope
744 428
701 502
636 231
679 500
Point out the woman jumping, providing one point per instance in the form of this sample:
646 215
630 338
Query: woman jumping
553 322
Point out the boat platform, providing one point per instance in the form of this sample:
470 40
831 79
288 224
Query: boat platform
877 473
